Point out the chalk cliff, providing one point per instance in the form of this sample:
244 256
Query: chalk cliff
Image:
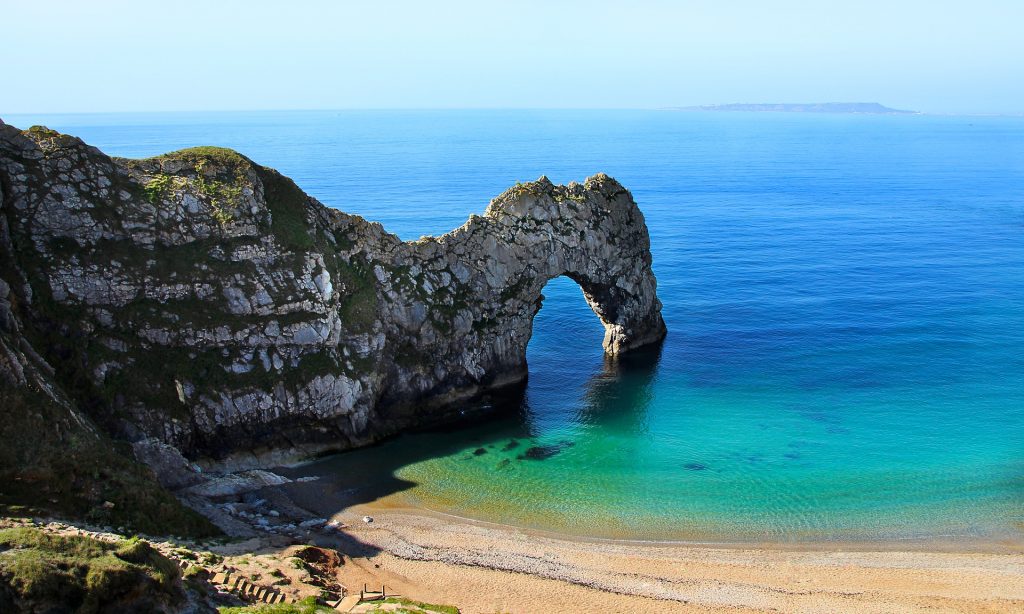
202 301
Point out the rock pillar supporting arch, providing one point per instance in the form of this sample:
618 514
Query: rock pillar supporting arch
630 320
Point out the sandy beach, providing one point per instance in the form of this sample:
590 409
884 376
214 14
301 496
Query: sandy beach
487 568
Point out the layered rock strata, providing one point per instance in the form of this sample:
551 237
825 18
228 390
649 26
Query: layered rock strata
202 301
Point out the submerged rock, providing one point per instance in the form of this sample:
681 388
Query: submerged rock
539 452
544 452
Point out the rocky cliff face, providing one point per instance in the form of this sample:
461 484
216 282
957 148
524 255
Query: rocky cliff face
203 301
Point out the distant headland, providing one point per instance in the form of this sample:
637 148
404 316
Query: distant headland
814 107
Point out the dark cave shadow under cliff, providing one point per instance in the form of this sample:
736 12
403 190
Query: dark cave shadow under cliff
365 475
618 394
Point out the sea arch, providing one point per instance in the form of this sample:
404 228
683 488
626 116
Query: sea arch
499 264
241 314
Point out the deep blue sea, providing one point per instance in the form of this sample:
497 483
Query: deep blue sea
844 296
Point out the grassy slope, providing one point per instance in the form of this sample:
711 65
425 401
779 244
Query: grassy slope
72 573
52 462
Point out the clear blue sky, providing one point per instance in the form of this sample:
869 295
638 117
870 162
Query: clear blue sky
139 55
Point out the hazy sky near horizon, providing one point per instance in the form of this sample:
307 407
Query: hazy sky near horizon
934 56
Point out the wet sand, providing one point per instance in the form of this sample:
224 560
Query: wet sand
488 568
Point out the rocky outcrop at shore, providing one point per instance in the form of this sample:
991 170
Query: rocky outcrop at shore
200 303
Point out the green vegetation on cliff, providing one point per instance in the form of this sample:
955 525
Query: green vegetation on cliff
55 459
57 573
219 175
288 209
56 462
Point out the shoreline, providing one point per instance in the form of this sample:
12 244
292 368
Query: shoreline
485 567
968 544
441 558
337 489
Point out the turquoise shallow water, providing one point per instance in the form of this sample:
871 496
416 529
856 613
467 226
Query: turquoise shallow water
844 294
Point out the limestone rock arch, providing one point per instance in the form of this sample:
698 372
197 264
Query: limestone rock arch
593 233
206 302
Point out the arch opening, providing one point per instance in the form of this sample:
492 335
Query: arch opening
563 356
566 326
572 379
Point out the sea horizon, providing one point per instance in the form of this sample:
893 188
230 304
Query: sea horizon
33 116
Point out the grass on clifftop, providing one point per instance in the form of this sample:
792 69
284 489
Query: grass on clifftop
219 175
55 573
288 204
220 155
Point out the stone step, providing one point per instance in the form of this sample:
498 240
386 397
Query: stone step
239 585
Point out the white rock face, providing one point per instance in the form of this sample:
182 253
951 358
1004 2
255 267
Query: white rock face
218 308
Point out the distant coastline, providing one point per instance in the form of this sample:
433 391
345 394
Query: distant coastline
872 108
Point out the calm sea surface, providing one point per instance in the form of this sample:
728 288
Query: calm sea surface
844 296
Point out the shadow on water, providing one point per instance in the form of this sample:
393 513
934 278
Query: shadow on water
617 396
368 474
